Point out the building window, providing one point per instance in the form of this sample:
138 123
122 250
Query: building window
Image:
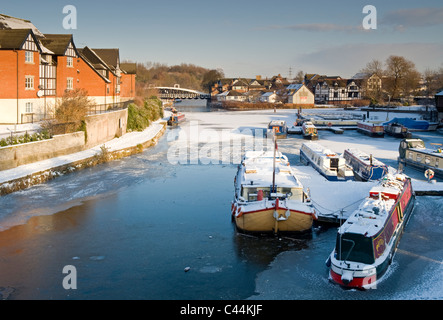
70 84
29 107
70 62
29 82
29 57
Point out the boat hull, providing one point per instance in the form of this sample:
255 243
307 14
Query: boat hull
310 137
367 276
264 221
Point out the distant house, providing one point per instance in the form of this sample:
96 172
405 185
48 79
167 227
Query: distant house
270 97
300 94
231 95
240 85
371 84
335 90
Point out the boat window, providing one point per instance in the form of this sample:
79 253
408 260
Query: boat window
427 160
436 163
418 158
411 155
354 247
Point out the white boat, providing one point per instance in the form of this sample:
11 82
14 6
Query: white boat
269 198
367 240
329 164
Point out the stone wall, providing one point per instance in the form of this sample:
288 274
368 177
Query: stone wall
99 129
104 127
17 155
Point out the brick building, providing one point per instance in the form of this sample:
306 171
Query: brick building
37 69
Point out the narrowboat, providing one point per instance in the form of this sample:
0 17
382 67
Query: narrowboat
176 118
397 130
414 125
412 152
365 166
309 131
371 129
329 164
277 128
367 240
269 198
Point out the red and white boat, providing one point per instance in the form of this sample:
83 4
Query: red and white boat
371 129
367 241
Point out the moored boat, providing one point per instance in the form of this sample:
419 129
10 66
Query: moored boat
176 118
269 198
365 166
367 241
309 131
277 128
397 130
329 164
412 152
371 129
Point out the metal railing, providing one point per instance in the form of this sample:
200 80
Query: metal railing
109 107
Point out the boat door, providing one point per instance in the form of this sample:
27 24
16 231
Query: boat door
334 164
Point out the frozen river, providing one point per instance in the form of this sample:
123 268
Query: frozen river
131 227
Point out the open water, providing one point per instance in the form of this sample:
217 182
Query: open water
132 227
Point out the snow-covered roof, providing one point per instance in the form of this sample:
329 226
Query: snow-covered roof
440 93
259 170
7 22
294 86
268 94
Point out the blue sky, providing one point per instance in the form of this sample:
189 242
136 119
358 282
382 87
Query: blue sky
246 38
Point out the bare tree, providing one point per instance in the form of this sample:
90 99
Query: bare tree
402 77
300 77
374 67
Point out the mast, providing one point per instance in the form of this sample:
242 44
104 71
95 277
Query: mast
273 171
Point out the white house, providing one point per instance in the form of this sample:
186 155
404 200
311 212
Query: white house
270 97
299 94
231 96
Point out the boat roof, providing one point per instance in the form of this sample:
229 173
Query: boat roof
277 123
372 214
364 157
320 149
258 170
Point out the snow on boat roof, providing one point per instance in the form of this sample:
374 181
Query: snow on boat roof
277 123
319 148
364 157
258 168
372 213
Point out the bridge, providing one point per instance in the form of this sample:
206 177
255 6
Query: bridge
168 93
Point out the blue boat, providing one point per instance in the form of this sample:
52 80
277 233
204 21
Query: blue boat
411 124
279 128
365 167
